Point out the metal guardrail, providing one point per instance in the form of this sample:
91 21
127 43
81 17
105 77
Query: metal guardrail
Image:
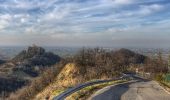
70 91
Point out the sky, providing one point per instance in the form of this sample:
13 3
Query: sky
107 23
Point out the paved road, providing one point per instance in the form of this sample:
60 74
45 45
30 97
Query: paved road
135 90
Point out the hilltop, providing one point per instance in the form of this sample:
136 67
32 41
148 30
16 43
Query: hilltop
36 56
29 62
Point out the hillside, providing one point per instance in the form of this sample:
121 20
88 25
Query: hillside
2 61
29 61
129 56
91 64
10 84
23 68
2 57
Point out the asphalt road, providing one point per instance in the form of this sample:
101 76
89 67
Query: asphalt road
135 90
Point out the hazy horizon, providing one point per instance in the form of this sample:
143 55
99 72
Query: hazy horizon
78 23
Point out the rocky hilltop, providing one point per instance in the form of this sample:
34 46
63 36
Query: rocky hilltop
36 56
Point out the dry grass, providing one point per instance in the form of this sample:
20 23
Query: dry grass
69 76
37 86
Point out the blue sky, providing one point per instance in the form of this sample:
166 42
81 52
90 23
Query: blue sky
123 23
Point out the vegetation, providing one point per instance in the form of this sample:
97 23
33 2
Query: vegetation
115 61
91 64
38 84
9 85
42 74
154 67
158 69
25 70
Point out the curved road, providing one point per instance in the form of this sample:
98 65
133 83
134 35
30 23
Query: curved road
70 91
135 90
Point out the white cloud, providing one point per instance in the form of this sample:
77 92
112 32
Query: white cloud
23 20
117 2
146 10
5 17
123 1
60 19
56 14
116 30
29 30
4 21
21 15
141 11
3 24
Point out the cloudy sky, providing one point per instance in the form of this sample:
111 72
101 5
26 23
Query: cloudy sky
123 23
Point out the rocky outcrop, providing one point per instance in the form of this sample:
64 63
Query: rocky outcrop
29 53
35 56
32 60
